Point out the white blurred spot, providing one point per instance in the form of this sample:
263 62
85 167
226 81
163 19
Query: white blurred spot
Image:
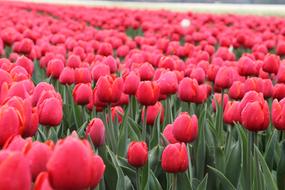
185 23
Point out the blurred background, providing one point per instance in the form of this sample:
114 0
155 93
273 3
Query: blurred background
215 1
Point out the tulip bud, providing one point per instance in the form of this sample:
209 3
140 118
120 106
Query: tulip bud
278 114
147 93
237 90
168 134
96 131
70 156
271 63
131 83
14 165
175 158
42 182
218 98
137 154
82 93
146 71
255 116
225 77
99 70
232 112
152 113
48 106
188 89
109 90
168 83
82 75
54 67
279 91
185 128
67 76
117 113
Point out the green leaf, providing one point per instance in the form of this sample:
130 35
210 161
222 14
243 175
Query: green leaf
203 184
153 182
233 166
281 168
183 181
270 182
120 175
224 181
270 149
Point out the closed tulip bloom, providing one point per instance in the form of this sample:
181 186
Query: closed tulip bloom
278 114
38 155
152 113
185 127
111 62
13 166
231 112
67 76
255 116
131 83
26 63
5 77
237 90
249 97
168 83
137 154
82 94
174 158
16 143
73 61
54 68
199 74
280 49
167 133
147 93
99 70
109 90
280 74
271 63
146 71
105 49
39 89
188 89
82 75
279 91
9 123
225 77
48 106
267 88
96 131
253 84
70 156
247 66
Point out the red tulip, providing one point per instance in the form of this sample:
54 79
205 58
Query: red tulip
26 63
48 106
188 89
99 70
146 71
271 63
39 89
278 114
152 113
168 134
175 158
279 91
225 77
82 75
9 123
185 127
38 155
237 90
137 154
232 112
67 76
148 93
82 94
14 165
96 131
247 66
70 156
281 74
55 67
131 83
109 90
42 182
73 61
168 83
117 113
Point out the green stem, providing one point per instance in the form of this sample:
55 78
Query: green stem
189 163
144 124
138 179
174 181
111 128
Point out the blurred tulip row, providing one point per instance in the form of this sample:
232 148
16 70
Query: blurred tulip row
112 99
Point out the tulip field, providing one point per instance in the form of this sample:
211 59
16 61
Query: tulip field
95 98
